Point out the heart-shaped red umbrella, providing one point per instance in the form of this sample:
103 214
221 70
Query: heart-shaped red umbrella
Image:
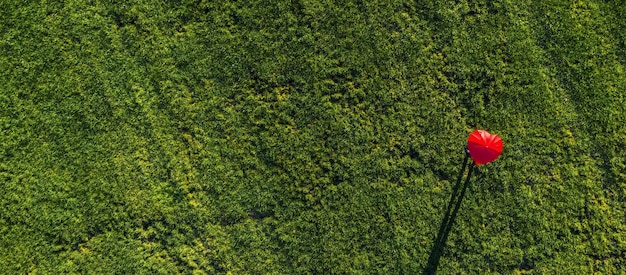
484 147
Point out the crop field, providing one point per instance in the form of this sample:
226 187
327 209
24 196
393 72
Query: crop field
311 136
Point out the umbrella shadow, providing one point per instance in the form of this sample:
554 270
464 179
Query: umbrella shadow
448 219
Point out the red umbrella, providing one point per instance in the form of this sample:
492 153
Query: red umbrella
484 147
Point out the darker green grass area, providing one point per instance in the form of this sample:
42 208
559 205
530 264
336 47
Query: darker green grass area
313 137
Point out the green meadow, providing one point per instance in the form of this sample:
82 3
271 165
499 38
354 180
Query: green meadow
310 136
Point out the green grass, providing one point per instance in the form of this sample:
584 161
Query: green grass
197 136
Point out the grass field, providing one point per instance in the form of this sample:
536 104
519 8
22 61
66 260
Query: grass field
310 137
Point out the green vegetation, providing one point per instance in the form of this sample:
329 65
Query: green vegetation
201 136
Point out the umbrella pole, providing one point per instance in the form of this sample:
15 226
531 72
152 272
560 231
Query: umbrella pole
448 218
458 202
455 190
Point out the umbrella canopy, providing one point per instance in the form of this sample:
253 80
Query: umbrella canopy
484 147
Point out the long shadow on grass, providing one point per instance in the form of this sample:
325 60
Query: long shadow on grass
448 219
